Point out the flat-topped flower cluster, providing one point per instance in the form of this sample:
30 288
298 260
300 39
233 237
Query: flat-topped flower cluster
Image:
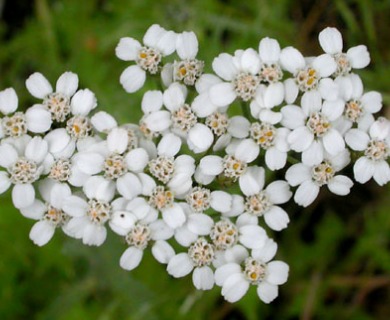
194 179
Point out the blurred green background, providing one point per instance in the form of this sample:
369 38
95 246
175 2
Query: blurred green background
338 249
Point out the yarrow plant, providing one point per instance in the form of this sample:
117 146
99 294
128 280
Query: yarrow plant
199 185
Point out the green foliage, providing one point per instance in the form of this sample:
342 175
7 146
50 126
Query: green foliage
338 249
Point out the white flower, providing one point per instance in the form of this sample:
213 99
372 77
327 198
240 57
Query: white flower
139 225
89 217
264 202
157 43
236 277
198 259
274 141
36 119
359 107
310 178
57 103
376 148
269 51
331 42
312 127
24 166
307 75
49 213
240 73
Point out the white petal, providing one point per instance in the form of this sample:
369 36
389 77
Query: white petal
8 155
311 102
117 140
293 117
277 272
162 251
89 162
67 83
83 102
325 65
372 101
153 34
132 78
340 185
75 206
238 127
224 67
291 90
221 201
167 43
180 265
292 60
267 252
35 211
211 165
160 230
131 258
267 292
174 216
58 194
5 182
203 278
58 140
382 173
314 154
222 94
250 61
158 121
333 109
331 40
359 57
300 139
278 192
152 101
103 122
357 139
169 145
38 85
8 101
174 96
200 224
187 45
363 170
247 151
297 174
275 159
36 149
148 184
185 237
225 271
306 193
202 105
41 232
38 119
329 89
76 226
127 49
99 188
269 50
137 159
252 236
121 222
23 195
235 287
276 218
129 186
333 142
200 138
94 235
252 181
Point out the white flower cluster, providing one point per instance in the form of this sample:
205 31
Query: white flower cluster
192 181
